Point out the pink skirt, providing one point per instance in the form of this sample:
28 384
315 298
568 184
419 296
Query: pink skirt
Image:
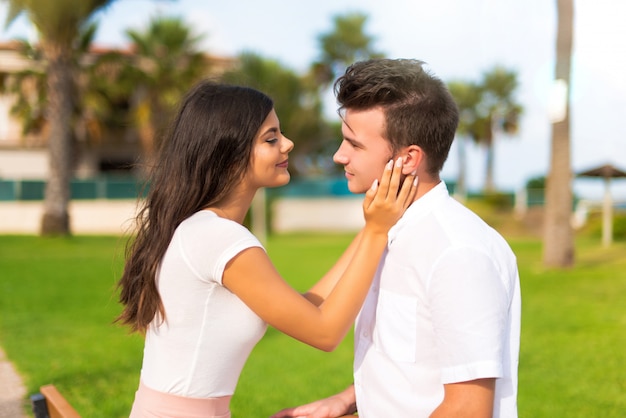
150 403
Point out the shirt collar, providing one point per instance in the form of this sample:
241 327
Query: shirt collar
420 207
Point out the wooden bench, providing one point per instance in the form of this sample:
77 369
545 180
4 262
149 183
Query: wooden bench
49 403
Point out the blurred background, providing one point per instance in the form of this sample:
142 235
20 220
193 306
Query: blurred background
135 58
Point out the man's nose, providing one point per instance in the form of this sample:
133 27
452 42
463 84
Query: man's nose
340 157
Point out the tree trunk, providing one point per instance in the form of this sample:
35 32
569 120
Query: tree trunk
144 119
56 220
460 189
558 240
490 185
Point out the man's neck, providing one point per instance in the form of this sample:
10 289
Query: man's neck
426 184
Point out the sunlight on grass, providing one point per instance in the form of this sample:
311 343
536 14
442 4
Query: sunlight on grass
57 304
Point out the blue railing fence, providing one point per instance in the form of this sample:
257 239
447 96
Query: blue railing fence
80 189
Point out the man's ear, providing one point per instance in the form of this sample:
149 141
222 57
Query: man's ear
413 157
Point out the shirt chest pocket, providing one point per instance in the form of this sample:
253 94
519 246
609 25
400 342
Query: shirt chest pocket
396 324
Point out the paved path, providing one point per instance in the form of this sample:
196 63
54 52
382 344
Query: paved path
12 390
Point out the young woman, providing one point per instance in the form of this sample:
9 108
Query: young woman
199 284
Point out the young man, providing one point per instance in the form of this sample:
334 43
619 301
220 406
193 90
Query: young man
438 335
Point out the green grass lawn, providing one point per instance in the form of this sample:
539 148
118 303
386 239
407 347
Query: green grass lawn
57 304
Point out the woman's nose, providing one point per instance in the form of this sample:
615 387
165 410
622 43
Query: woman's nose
287 145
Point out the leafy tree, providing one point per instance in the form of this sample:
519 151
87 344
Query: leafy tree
346 43
103 102
501 111
558 240
467 97
538 182
92 103
487 108
58 23
168 62
28 88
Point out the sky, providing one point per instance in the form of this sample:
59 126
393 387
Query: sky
459 40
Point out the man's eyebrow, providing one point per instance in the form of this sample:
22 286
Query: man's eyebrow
351 140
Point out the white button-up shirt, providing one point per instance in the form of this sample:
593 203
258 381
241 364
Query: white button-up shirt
444 308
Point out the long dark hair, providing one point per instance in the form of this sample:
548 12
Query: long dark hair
199 163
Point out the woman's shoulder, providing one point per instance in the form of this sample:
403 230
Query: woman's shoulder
207 240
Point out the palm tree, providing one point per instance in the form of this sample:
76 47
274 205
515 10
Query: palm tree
58 23
500 113
558 240
346 43
486 109
28 87
467 97
168 64
92 106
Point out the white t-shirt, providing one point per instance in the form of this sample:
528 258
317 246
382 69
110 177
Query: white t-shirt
201 348
444 308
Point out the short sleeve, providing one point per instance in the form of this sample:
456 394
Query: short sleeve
469 305
209 242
